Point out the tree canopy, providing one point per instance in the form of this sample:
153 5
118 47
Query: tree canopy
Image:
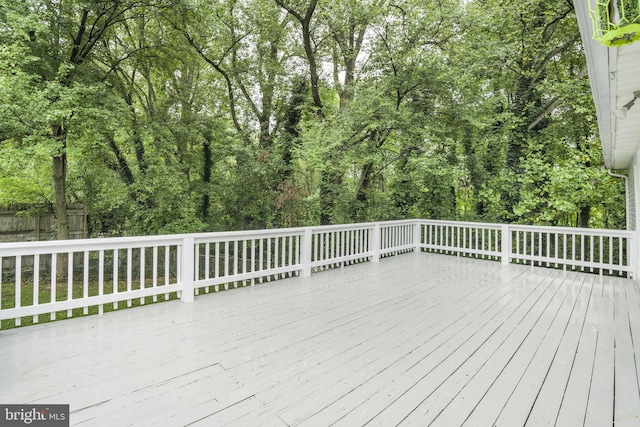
166 116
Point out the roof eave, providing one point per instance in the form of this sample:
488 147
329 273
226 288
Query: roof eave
599 68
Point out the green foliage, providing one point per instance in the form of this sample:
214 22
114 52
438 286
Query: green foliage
24 178
245 190
184 117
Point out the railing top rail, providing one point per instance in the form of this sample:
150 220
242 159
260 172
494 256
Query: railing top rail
462 223
573 230
362 225
244 234
299 230
550 228
79 245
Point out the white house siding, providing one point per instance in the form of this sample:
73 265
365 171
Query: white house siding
633 203
632 207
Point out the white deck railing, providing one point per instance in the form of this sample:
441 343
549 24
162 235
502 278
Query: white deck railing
610 252
58 279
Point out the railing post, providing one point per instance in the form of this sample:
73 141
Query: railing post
417 236
375 242
188 268
506 244
306 249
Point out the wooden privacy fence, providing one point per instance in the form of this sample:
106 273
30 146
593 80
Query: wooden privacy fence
40 225
105 274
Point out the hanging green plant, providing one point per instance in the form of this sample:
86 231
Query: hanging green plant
616 22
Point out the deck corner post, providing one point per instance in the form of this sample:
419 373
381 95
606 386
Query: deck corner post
188 270
506 244
375 243
417 236
306 247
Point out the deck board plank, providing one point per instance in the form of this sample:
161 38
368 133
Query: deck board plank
523 395
549 401
626 388
412 339
379 359
353 383
576 395
633 311
599 409
475 399
387 397
372 391
509 400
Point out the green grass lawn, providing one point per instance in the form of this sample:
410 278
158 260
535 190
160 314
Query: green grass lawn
8 298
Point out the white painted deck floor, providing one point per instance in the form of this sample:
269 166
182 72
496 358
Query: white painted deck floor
417 339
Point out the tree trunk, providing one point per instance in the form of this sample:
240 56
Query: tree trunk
305 23
313 68
584 216
60 184
206 178
360 208
350 46
330 183
60 189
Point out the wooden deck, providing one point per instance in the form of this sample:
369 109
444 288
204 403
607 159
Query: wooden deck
413 340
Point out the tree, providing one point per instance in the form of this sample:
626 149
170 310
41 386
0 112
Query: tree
172 116
304 16
524 47
56 43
